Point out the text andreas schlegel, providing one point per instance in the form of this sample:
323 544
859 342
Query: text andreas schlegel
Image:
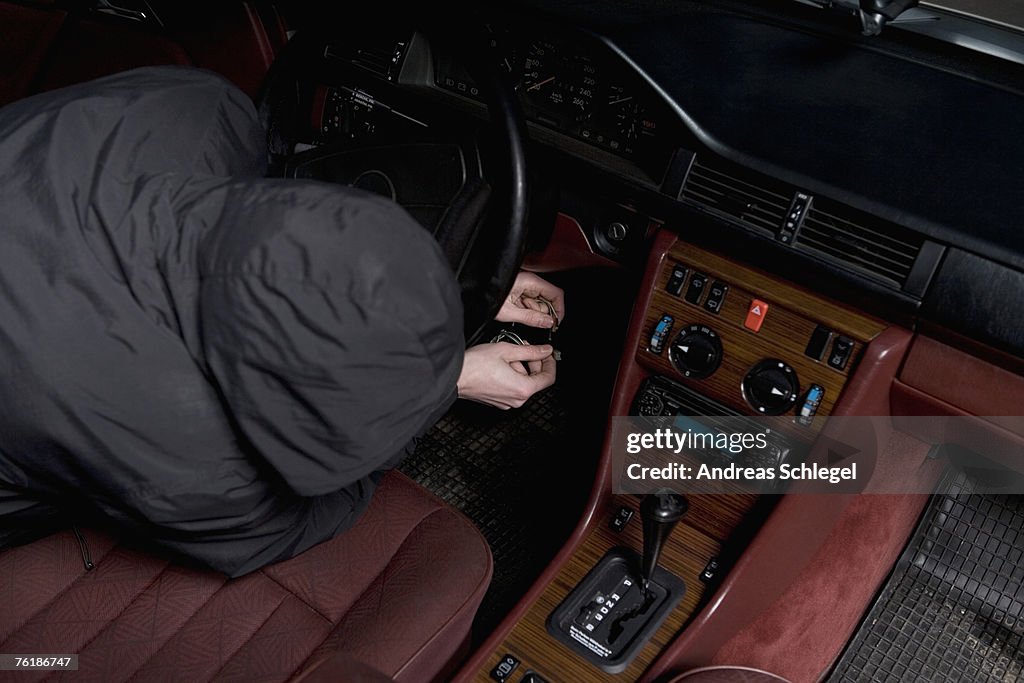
669 440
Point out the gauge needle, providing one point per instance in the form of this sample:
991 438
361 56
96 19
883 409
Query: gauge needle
537 85
621 100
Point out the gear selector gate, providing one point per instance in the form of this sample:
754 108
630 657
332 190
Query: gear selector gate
621 602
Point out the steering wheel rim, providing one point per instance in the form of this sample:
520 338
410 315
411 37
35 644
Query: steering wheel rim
487 267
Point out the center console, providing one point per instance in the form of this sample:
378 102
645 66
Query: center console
747 340
708 336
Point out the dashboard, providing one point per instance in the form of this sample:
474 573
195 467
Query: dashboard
866 193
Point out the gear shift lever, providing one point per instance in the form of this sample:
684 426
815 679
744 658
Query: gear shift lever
660 513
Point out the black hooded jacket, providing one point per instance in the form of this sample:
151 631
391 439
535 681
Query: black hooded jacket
214 361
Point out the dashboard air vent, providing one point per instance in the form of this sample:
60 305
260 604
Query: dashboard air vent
866 243
755 200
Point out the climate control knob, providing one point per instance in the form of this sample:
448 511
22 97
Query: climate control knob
771 387
696 352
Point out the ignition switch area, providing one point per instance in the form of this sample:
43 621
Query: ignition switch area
608 618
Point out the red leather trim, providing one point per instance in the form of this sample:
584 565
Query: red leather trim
627 382
235 42
568 248
867 392
958 378
260 37
1002 436
791 536
316 112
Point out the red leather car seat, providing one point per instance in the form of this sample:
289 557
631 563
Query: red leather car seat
397 592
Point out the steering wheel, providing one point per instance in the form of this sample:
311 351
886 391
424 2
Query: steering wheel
481 216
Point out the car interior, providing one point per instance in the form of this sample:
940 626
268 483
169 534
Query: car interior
802 209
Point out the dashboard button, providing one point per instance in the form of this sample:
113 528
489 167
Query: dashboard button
755 315
676 280
840 355
660 334
505 668
694 293
716 296
621 519
812 401
818 343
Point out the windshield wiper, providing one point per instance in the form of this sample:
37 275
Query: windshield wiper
873 14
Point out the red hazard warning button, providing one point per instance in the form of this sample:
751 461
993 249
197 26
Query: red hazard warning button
755 315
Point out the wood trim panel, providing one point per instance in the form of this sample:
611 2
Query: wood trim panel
698 538
793 314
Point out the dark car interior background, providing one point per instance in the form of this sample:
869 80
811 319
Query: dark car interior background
754 209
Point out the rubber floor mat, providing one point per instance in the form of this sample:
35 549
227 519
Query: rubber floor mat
953 608
503 470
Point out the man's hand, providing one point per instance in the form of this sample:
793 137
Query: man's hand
494 373
522 305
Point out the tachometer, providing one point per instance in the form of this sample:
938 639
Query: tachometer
629 115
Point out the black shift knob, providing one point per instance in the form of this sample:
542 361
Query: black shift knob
660 513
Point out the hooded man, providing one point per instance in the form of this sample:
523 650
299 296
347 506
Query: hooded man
217 363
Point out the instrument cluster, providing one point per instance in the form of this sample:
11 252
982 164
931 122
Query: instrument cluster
576 87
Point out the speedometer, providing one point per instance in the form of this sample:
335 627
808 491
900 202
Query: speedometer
580 87
559 83
540 70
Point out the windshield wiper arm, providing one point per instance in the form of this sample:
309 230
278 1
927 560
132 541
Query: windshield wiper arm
873 14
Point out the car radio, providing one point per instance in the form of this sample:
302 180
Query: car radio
660 397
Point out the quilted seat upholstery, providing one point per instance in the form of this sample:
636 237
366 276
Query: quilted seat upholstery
398 592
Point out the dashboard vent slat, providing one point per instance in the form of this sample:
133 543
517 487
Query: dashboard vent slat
723 191
894 257
824 245
883 250
730 182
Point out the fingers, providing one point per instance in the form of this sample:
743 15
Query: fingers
529 317
546 377
522 304
541 361
530 285
527 352
495 373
